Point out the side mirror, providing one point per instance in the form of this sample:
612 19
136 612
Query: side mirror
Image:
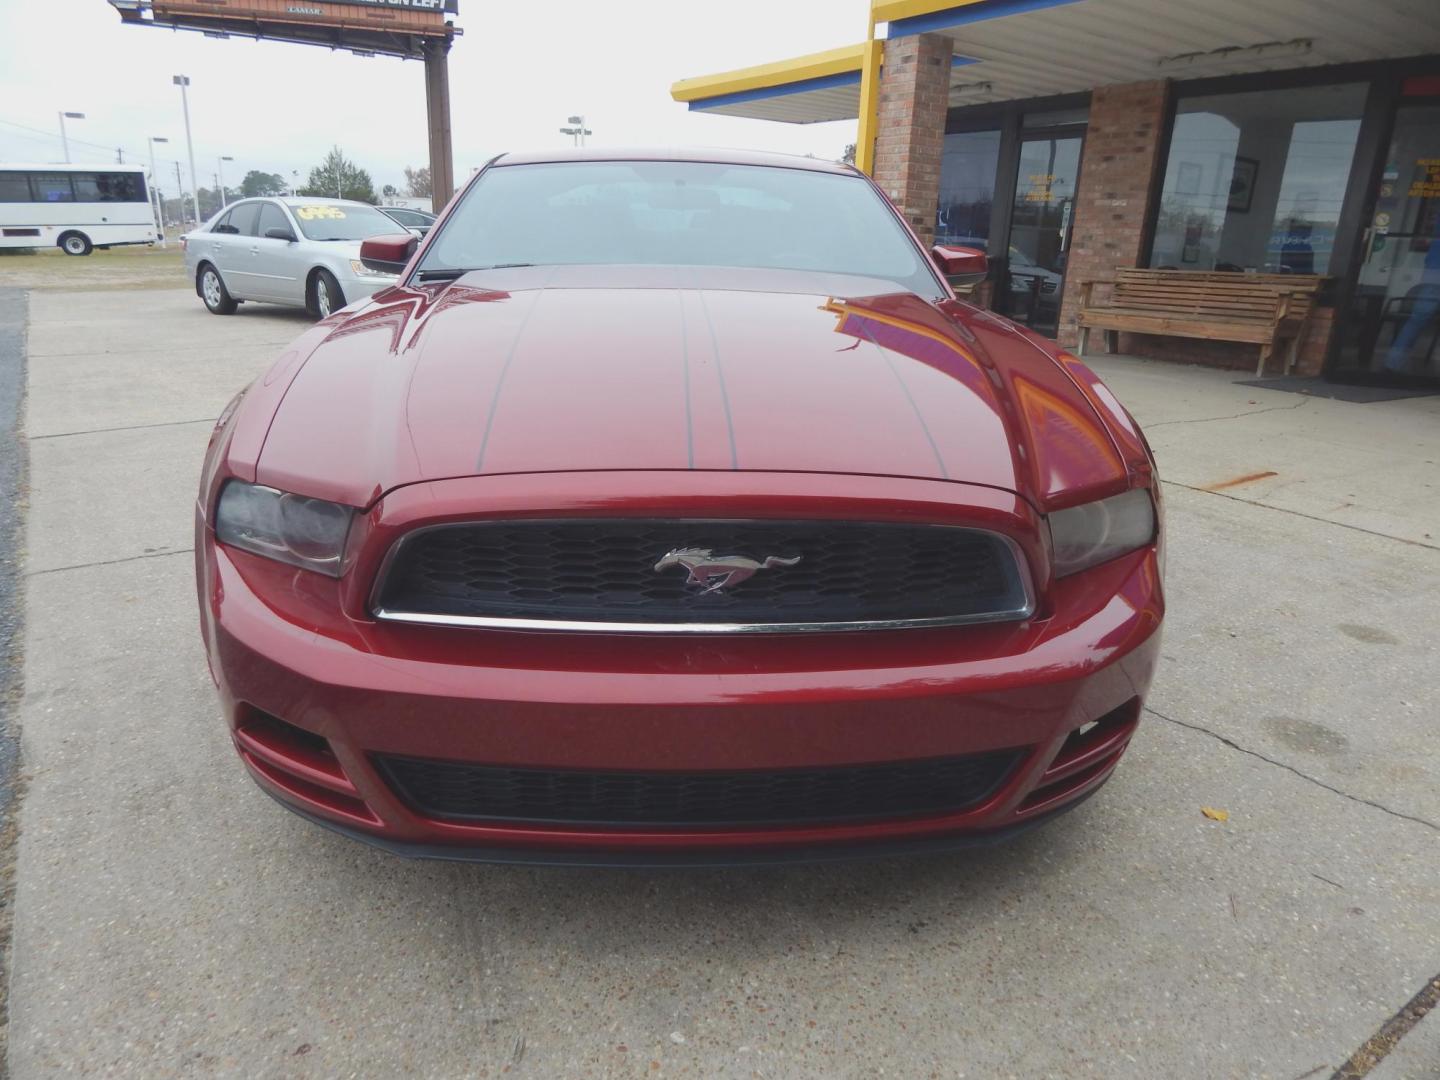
280 234
388 254
961 265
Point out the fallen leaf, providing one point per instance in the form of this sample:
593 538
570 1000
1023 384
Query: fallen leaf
1215 815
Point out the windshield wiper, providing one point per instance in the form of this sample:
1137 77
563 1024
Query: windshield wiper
451 275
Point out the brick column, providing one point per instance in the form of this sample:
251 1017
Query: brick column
914 96
1117 169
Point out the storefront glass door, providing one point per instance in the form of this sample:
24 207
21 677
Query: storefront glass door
1034 278
1392 325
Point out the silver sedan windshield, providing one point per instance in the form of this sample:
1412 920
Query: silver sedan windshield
329 221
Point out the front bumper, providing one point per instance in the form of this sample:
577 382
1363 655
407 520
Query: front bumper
1062 689
355 287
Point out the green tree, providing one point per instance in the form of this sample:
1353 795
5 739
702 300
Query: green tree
258 183
209 202
417 182
339 177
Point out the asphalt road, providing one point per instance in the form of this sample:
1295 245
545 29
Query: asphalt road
171 921
12 462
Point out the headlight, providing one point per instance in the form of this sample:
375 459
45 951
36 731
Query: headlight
1085 536
309 533
359 269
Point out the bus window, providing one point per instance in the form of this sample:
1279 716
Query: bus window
109 187
14 187
52 187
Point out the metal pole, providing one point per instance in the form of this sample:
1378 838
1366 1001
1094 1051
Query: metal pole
869 126
179 193
159 199
64 135
437 102
220 177
183 81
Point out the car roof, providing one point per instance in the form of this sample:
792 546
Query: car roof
706 155
52 166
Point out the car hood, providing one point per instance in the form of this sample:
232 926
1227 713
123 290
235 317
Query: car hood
542 370
345 249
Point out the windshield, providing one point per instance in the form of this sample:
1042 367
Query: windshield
327 221
678 214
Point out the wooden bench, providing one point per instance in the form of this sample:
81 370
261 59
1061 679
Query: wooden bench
1265 309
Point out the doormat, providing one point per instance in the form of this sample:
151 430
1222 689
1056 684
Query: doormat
1314 386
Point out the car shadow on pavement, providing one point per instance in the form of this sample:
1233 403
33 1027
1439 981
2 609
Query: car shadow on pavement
590 914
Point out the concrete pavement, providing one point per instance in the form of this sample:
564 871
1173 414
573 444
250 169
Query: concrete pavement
170 920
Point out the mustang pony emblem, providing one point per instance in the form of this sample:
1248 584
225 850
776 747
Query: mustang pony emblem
716 572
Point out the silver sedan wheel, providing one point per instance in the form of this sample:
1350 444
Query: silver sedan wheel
210 286
322 298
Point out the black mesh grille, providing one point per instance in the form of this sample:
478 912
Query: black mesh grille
447 789
604 570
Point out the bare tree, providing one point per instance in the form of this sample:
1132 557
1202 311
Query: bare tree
417 182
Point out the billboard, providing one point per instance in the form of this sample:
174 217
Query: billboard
390 27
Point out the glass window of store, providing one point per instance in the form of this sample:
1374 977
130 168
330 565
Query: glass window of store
1255 181
967 188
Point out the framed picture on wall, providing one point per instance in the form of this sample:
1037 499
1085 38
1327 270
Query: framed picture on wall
1242 184
1187 179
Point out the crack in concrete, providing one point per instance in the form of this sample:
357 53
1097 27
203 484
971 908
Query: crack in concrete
127 427
1233 416
1297 513
1291 769
1377 1048
112 562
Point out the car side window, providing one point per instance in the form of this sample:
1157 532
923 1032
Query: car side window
223 225
243 219
272 217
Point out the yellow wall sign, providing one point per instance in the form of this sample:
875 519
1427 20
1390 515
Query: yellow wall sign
1040 187
1427 186
311 213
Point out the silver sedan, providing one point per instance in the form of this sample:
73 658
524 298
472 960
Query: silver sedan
300 251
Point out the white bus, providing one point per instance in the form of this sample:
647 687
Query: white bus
75 207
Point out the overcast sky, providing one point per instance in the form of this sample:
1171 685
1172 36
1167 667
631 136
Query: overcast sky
519 70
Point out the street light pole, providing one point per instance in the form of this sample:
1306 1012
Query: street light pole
64 138
154 183
220 176
183 81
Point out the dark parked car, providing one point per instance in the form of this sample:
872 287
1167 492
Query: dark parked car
416 221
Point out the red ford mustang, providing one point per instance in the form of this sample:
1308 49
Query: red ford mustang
672 508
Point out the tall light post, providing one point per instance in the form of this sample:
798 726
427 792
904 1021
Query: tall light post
183 82
154 183
220 176
64 138
577 129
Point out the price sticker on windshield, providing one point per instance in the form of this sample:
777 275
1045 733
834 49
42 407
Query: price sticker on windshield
313 213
